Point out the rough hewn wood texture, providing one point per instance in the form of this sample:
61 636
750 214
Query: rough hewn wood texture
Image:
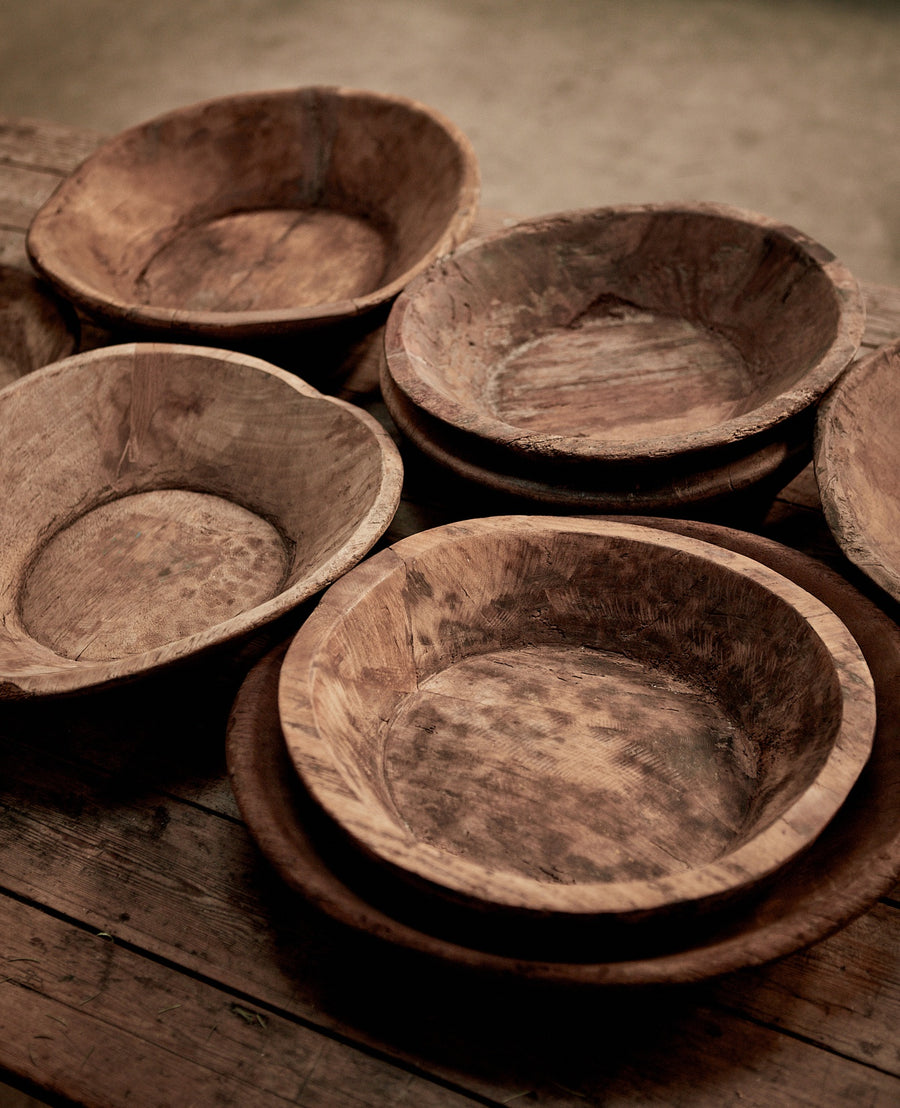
555 718
853 863
857 459
35 327
624 352
161 500
116 816
213 221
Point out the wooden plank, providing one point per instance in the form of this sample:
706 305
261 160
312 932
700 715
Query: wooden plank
87 1019
826 984
188 887
12 249
22 192
41 144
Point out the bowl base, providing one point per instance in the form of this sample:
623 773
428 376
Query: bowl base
623 373
148 569
272 259
569 764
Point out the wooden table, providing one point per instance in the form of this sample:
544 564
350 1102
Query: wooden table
149 956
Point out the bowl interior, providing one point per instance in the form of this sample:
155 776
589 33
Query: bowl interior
625 326
574 715
35 329
857 460
160 498
263 203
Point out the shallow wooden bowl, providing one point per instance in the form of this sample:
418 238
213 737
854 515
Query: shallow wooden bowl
35 327
572 719
258 215
635 336
160 500
857 464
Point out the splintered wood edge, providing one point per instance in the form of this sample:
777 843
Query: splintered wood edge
849 414
70 676
850 329
331 784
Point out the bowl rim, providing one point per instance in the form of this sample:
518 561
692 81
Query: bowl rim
841 509
769 465
479 421
781 841
255 323
81 676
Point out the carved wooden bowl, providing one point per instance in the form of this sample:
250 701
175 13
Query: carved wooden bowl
35 327
615 349
258 215
857 460
574 719
160 500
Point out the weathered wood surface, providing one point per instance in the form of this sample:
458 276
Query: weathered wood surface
468 678
644 357
35 327
378 185
189 498
852 864
117 818
857 452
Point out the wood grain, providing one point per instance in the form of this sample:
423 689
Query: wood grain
35 327
618 292
198 223
856 459
486 706
856 860
87 784
166 1039
189 499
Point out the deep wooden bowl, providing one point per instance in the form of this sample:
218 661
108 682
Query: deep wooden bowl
857 462
574 718
160 500
36 328
851 864
258 215
635 336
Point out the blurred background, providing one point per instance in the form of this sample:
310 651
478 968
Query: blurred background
788 107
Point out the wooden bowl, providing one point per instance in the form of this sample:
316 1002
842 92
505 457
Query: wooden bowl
737 481
35 327
160 500
851 864
258 215
638 336
571 719
857 462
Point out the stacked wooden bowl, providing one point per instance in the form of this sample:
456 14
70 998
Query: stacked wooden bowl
556 720
646 357
600 751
